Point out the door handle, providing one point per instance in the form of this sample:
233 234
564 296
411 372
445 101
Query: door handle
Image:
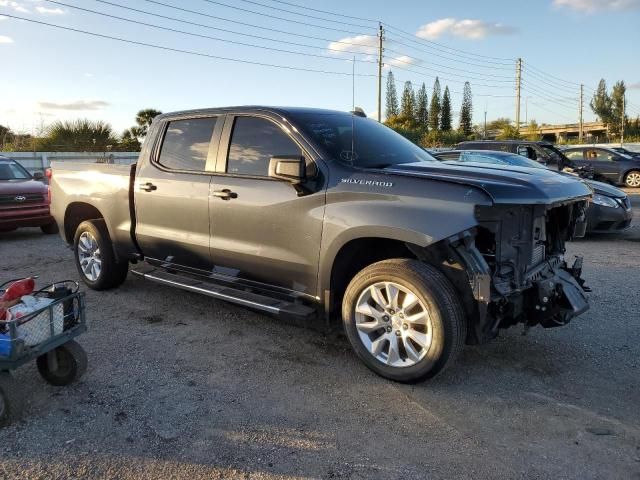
225 194
148 187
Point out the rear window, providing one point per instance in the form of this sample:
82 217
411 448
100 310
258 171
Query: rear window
187 143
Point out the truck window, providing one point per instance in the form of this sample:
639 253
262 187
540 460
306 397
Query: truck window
253 142
186 144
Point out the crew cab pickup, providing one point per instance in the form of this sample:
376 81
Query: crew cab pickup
324 215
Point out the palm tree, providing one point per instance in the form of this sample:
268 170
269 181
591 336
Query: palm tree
81 135
144 119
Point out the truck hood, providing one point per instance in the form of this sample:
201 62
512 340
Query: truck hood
20 187
504 184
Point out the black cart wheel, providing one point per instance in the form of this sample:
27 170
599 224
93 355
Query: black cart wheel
64 365
11 402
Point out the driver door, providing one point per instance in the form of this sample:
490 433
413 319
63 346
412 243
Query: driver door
264 229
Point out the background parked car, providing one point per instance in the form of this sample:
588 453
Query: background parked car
543 152
614 167
626 151
24 199
610 208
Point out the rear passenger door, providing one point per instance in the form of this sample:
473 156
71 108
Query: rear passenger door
264 230
172 193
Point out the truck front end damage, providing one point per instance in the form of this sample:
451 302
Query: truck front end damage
516 266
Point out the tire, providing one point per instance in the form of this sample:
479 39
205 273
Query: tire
11 400
50 228
72 364
102 270
440 330
632 179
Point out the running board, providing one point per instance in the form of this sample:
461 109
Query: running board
239 297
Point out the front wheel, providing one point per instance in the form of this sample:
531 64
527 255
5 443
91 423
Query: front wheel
404 319
68 364
94 256
632 179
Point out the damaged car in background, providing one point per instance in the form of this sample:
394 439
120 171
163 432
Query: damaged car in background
327 216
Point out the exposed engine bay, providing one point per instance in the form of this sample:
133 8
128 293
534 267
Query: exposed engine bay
515 261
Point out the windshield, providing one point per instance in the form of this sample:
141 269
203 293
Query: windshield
554 153
510 159
12 171
361 142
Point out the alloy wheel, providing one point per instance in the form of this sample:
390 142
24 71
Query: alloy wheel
89 256
393 324
633 179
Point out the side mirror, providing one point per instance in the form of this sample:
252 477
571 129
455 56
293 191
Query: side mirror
291 168
38 176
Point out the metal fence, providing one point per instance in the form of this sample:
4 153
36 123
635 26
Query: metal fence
39 161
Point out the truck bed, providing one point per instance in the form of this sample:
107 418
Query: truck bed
103 187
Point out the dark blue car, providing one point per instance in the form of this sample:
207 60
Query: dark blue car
608 164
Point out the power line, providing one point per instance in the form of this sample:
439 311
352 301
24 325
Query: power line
234 32
187 52
281 50
323 11
453 80
297 22
440 55
542 79
544 94
413 38
306 15
237 22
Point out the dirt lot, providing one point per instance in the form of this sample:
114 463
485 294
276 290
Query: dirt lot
183 386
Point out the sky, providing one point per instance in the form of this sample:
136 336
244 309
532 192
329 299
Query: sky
51 74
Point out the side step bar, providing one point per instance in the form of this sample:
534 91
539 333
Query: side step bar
239 297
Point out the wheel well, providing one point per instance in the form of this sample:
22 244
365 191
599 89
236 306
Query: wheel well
358 254
77 213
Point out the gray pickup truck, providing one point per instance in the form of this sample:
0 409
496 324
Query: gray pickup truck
323 215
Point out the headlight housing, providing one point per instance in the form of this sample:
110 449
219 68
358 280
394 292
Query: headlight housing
604 201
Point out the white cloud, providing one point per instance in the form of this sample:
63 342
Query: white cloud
76 106
399 61
17 6
471 29
590 6
2 17
50 11
634 86
5 39
361 44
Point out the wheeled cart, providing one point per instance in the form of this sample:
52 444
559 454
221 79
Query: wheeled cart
45 335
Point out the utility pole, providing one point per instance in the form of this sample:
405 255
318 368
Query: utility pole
484 137
624 96
380 49
581 131
518 81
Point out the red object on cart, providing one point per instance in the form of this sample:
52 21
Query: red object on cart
17 289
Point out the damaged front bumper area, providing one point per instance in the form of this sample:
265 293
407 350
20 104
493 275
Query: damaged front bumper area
515 265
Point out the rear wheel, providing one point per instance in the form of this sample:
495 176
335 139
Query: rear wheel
50 228
404 319
11 401
69 364
632 179
94 256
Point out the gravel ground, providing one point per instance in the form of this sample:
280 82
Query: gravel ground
183 386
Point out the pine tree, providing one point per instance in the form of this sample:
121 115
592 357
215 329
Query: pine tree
422 109
466 112
434 108
392 97
617 106
601 103
408 102
445 116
